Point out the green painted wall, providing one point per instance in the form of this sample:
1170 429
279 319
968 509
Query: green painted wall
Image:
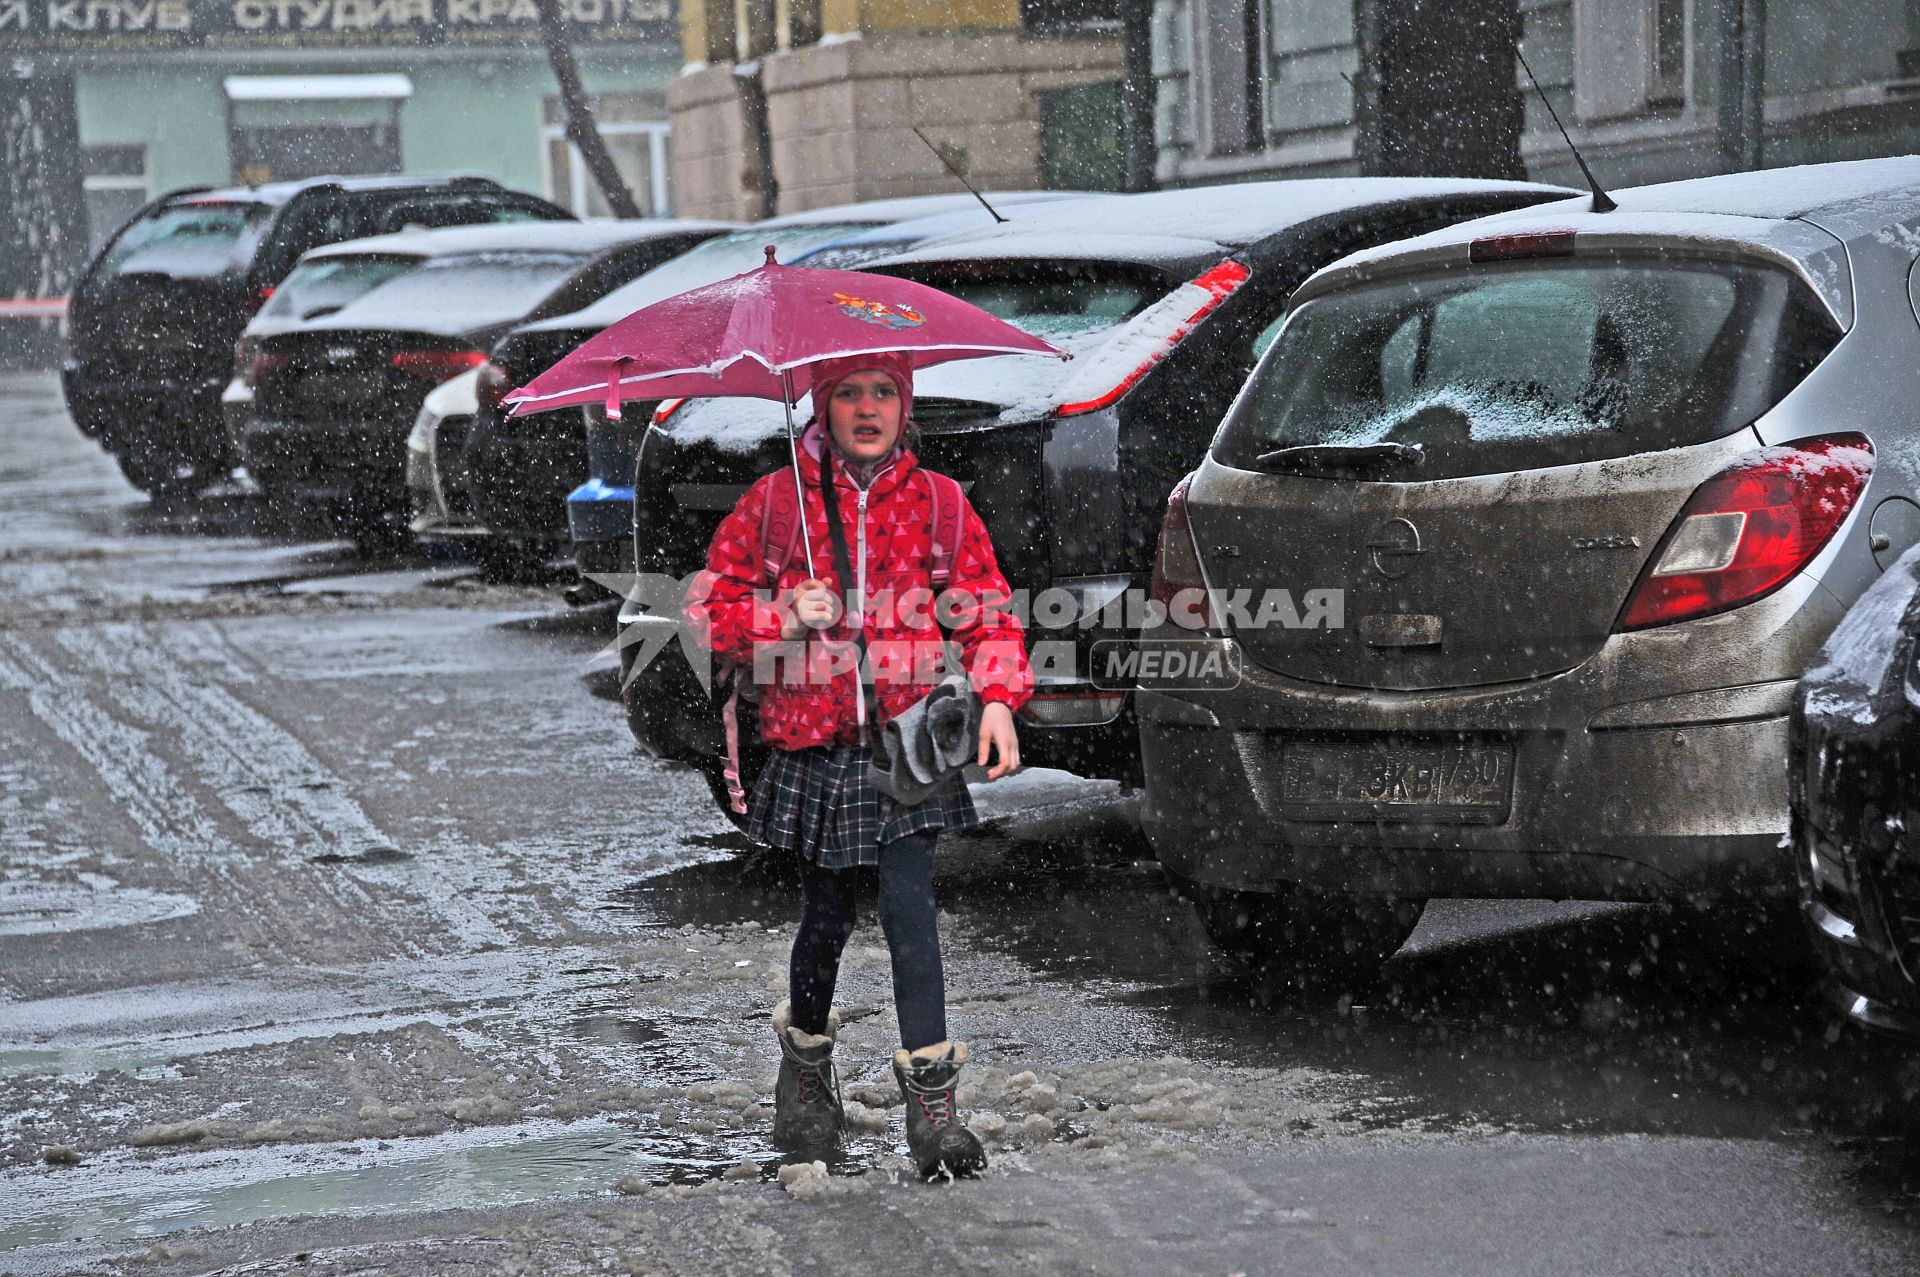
478 116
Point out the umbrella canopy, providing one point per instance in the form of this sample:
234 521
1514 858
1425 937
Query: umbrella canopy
755 334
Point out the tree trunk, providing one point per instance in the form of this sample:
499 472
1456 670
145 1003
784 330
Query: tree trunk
581 130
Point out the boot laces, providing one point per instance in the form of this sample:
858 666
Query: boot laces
936 1102
815 1079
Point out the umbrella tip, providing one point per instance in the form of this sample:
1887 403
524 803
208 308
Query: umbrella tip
769 254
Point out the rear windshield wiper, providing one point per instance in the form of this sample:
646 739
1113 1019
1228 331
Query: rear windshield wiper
1328 458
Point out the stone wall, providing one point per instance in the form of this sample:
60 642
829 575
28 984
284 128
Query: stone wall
840 118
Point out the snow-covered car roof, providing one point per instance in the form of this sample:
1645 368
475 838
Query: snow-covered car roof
493 237
740 251
1801 217
1207 220
948 222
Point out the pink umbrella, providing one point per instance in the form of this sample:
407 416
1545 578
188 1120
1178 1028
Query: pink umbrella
755 335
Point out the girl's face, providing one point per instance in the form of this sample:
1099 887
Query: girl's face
863 415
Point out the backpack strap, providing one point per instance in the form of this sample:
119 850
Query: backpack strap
780 517
949 504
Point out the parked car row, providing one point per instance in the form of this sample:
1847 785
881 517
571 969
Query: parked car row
1591 488
1513 525
152 321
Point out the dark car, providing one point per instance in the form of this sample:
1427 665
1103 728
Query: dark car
1165 301
334 398
1853 788
152 320
544 481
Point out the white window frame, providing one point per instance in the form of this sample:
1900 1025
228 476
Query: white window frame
657 130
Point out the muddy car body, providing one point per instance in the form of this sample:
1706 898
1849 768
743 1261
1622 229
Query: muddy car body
335 397
1163 300
1853 783
153 318
1593 488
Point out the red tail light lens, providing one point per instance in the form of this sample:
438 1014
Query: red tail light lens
1509 248
492 386
1751 527
262 296
265 364
1145 339
437 365
1177 583
666 409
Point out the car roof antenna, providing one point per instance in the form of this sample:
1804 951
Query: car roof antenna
1602 202
954 169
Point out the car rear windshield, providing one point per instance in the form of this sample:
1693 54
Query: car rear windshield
467 291
1056 299
1493 368
197 238
321 287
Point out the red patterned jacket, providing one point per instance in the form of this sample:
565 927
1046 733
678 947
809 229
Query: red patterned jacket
809 692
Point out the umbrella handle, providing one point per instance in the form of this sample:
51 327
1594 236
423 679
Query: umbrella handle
793 455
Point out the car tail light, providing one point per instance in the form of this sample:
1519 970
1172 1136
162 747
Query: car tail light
264 364
1508 248
666 409
262 296
492 386
1082 707
1745 531
1145 339
437 365
1178 584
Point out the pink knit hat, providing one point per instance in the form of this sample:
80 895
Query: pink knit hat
829 373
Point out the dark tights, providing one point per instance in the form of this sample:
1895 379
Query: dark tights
913 937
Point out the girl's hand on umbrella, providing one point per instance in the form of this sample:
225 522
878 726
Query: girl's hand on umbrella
997 735
813 606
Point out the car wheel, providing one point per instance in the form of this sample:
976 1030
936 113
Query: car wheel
1306 941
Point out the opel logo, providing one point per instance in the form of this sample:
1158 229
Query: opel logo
1393 547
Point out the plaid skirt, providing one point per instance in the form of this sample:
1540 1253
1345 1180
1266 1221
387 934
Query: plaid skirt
818 802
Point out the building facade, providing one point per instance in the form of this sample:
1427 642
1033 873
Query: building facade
1651 90
786 105
153 95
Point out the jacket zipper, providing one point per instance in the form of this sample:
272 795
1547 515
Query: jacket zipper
860 611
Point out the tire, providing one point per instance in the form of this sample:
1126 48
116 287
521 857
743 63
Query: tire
1306 941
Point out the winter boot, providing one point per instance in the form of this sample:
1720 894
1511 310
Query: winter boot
807 1114
929 1079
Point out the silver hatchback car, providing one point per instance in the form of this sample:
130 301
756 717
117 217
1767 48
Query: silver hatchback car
1577 496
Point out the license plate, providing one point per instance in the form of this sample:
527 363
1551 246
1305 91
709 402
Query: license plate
1396 780
339 387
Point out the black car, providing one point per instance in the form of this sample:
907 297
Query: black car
1853 786
524 471
152 320
1165 300
334 398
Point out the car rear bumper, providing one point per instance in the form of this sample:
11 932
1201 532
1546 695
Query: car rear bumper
331 464
124 408
1637 810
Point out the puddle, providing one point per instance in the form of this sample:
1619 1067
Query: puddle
128 1198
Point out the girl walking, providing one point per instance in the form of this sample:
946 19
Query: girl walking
800 636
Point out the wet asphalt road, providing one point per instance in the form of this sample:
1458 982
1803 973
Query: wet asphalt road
342 929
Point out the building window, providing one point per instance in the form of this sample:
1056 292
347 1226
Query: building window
1666 52
1173 77
633 127
1231 37
114 179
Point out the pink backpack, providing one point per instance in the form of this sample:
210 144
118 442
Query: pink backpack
780 542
